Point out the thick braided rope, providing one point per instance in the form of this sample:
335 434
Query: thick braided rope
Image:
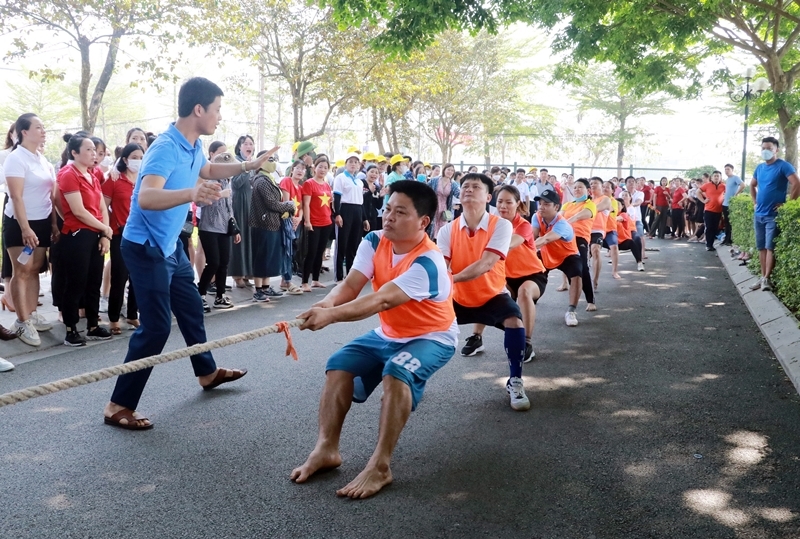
90 377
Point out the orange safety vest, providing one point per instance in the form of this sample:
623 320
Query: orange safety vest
412 318
582 228
554 253
523 259
466 249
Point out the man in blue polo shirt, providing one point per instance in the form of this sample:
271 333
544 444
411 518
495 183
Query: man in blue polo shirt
173 174
768 190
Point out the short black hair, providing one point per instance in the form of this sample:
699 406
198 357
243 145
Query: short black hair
196 91
126 152
543 170
596 178
214 146
584 181
729 165
237 149
629 178
520 170
717 172
75 143
423 197
772 140
486 180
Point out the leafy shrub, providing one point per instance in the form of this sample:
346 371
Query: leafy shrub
787 256
742 232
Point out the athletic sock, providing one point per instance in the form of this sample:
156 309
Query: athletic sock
527 340
514 343
571 309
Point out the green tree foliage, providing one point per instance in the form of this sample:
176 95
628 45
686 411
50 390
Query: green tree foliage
654 46
598 89
88 26
696 172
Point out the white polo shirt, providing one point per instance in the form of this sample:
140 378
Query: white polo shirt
39 179
349 187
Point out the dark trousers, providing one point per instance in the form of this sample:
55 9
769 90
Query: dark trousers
678 222
119 277
660 223
162 284
711 220
348 238
82 267
317 241
726 216
634 246
586 276
217 248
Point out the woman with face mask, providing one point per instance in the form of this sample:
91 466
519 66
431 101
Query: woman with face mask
241 263
117 196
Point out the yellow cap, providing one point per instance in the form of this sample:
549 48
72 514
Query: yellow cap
339 163
426 165
533 169
397 158
369 156
353 149
380 159
294 146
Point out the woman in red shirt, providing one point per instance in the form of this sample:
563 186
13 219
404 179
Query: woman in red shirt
317 201
662 200
117 195
678 219
86 236
292 190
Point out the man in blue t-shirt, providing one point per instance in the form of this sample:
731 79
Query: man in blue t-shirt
733 186
768 190
173 174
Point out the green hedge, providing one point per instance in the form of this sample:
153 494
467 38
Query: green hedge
786 276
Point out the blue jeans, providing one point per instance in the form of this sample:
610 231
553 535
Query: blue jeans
766 227
161 284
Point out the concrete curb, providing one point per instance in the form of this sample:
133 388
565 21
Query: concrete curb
775 321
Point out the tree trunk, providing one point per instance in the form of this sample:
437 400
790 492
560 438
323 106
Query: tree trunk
296 118
376 131
620 146
790 144
90 119
86 77
782 84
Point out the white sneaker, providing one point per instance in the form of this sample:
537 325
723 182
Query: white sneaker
640 266
571 319
757 285
27 332
40 322
519 401
5 366
103 305
766 285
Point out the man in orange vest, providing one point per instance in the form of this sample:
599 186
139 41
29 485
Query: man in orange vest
555 239
476 245
412 295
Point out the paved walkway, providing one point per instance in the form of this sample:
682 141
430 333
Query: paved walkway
664 414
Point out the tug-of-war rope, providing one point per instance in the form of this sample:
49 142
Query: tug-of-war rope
145 363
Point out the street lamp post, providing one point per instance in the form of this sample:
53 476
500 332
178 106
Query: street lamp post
746 93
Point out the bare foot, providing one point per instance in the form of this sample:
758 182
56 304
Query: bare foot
562 288
616 275
317 284
591 307
305 288
368 483
318 460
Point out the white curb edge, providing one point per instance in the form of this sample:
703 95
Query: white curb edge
777 324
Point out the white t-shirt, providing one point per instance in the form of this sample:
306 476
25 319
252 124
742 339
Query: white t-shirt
416 283
636 211
39 178
350 188
524 191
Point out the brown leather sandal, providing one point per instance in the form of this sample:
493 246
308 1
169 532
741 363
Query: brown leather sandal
127 415
223 377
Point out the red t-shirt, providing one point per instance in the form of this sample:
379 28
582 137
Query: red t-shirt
648 194
320 203
97 172
295 193
677 196
662 196
715 195
120 193
70 180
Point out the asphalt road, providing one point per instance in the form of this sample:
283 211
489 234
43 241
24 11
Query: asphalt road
661 415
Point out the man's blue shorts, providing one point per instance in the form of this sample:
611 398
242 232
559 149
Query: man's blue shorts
766 231
612 239
371 357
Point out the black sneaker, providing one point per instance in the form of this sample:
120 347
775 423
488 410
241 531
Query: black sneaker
473 345
74 338
206 307
530 355
271 292
212 289
223 303
710 249
99 333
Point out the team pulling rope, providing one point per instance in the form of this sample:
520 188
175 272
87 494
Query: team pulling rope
145 363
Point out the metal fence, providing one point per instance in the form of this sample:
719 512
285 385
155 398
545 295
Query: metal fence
630 170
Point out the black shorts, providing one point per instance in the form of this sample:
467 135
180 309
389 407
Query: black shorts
513 283
572 266
492 313
12 233
597 239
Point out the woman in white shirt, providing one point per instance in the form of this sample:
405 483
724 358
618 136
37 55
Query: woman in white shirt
348 196
29 223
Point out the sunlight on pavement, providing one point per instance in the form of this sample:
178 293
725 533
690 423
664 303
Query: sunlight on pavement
561 382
